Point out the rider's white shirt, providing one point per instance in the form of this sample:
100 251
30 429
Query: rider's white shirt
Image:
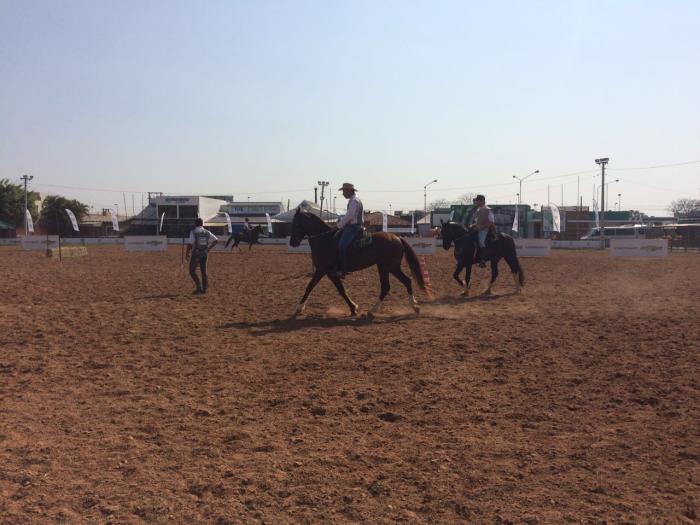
351 213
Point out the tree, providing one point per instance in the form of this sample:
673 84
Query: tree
12 202
684 207
54 217
439 203
467 198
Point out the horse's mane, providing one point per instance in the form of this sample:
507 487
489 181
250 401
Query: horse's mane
316 219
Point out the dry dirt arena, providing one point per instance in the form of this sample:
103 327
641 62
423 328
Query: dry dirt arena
124 399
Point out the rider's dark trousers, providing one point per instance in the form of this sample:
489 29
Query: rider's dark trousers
349 233
200 260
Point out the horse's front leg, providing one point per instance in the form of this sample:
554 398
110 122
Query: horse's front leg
494 274
458 271
312 283
341 290
467 278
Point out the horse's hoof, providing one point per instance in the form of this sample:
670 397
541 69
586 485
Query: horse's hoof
369 316
464 294
486 293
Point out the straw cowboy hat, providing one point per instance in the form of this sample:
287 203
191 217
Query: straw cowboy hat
347 186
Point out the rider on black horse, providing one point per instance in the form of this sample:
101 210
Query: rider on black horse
483 223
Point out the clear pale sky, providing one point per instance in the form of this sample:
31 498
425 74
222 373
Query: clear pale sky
265 98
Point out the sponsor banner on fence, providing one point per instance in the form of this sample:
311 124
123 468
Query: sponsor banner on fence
302 248
91 240
145 243
533 247
39 242
10 242
576 245
422 245
638 247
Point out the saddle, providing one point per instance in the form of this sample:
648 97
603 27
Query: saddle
362 239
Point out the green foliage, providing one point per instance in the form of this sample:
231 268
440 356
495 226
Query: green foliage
54 217
12 203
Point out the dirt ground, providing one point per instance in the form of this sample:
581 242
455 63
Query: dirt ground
124 399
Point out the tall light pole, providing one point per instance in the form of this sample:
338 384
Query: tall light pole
619 202
26 179
602 162
521 179
425 196
323 184
607 191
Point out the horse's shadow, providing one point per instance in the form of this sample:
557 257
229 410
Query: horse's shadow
460 299
292 324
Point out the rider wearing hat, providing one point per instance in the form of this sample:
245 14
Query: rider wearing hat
484 222
350 225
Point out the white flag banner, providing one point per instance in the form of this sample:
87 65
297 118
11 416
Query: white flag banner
115 221
160 228
385 221
556 218
595 209
516 224
72 219
413 222
228 221
30 222
269 225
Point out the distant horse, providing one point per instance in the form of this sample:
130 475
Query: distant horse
385 250
251 237
466 243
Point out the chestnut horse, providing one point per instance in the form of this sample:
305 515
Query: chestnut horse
385 250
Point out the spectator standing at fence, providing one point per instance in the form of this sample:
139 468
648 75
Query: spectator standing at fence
198 248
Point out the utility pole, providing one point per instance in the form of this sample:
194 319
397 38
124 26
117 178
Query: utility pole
602 163
26 179
323 184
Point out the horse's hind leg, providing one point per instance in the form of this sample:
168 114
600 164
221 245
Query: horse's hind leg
406 281
385 287
341 290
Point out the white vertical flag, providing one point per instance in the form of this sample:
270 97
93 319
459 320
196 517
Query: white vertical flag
516 223
595 209
556 218
385 221
115 221
413 223
30 222
269 224
74 222
160 228
228 221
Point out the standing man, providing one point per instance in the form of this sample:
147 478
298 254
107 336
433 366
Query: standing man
349 226
484 222
199 248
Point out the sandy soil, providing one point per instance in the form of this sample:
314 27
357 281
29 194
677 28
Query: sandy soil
124 399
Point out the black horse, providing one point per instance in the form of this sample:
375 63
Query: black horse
466 242
250 236
385 250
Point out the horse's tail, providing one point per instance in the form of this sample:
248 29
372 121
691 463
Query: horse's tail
413 264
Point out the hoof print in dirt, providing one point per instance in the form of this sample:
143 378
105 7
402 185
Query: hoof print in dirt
318 411
390 417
